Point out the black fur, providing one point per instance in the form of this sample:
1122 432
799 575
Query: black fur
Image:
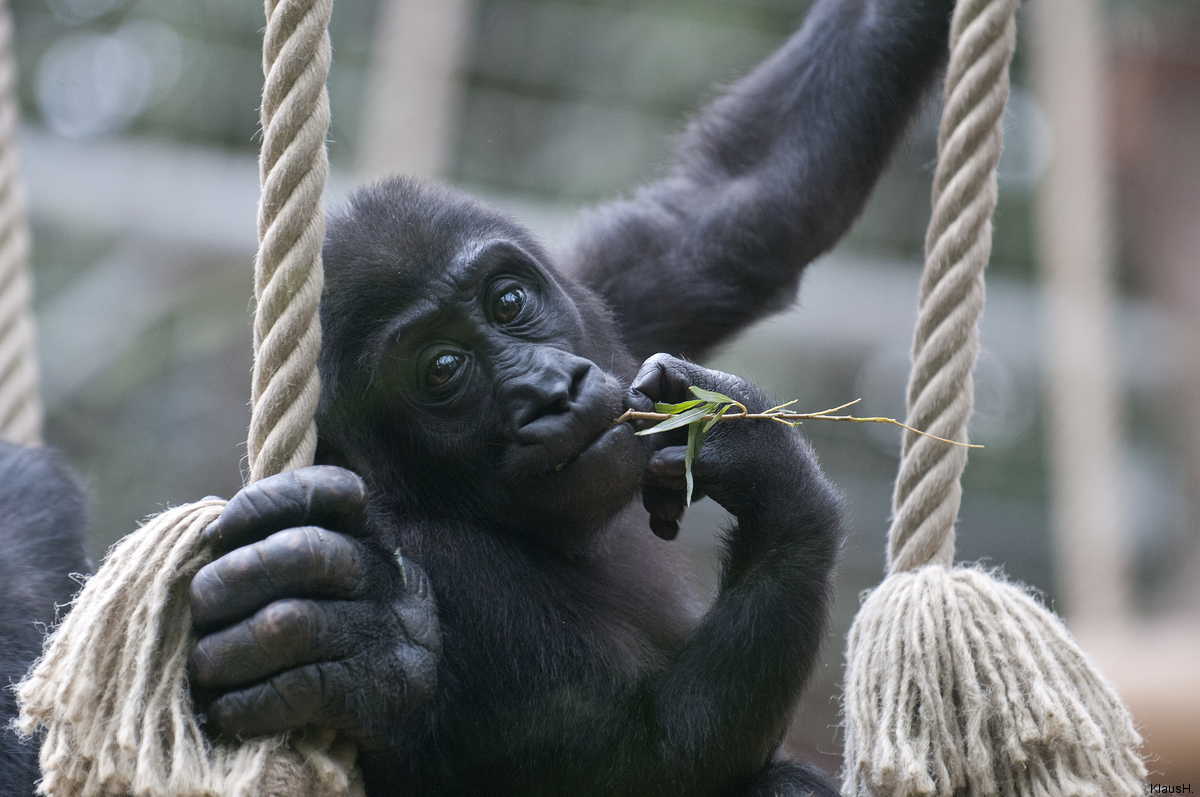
574 661
42 520
766 179
472 385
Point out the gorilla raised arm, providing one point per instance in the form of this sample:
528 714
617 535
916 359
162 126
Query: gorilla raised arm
766 178
469 390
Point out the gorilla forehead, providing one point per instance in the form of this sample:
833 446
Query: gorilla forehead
399 235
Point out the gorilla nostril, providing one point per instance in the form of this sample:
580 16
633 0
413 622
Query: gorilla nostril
550 389
533 399
581 372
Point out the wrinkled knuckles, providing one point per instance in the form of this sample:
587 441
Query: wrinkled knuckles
331 564
311 559
203 667
289 630
667 378
331 484
303 562
321 495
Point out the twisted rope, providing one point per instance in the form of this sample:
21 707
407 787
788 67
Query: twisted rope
111 690
957 247
958 682
20 408
291 228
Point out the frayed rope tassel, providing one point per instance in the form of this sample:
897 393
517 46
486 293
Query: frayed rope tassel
111 694
961 684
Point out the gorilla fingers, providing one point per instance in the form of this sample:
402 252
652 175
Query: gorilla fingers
743 466
304 621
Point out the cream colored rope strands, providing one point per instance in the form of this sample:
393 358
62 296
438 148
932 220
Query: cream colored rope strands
291 228
20 408
959 683
111 690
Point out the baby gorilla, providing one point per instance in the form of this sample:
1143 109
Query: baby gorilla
571 658
469 454
474 390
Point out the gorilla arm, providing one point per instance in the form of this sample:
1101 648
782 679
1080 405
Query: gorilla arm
766 178
728 697
711 719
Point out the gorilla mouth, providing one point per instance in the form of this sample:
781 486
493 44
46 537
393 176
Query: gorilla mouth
578 435
592 441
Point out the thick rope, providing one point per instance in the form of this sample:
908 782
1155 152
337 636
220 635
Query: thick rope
291 227
20 407
957 682
111 691
957 246
961 684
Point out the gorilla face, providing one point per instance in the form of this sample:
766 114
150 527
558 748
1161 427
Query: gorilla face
485 378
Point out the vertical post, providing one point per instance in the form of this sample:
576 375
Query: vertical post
1075 254
412 92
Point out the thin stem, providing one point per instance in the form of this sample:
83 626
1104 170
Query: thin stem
790 418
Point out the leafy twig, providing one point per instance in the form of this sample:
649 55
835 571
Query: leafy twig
702 413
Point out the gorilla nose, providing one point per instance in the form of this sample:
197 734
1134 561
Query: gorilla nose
549 387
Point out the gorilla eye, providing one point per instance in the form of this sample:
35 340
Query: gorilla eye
509 305
443 369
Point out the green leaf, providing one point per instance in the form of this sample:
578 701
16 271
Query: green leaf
716 417
710 395
672 409
695 440
683 419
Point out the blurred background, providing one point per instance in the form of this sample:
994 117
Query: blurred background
139 158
